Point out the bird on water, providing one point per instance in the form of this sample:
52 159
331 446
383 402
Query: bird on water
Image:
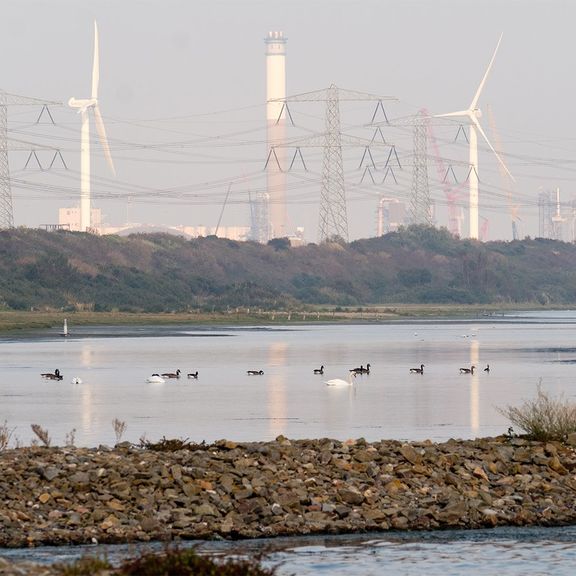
417 370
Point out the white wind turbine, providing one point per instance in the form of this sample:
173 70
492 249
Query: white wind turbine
473 113
84 105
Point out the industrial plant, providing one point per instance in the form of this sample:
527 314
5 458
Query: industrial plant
399 170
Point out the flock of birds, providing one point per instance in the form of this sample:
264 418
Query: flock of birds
361 370
353 372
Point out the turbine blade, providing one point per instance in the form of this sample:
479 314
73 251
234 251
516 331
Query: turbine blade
474 102
460 113
479 128
95 65
102 136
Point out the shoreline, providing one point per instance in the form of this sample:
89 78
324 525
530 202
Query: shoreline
35 320
126 494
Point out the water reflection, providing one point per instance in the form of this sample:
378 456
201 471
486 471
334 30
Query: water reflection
277 411
475 387
86 353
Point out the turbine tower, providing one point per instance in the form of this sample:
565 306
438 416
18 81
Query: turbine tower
84 105
473 113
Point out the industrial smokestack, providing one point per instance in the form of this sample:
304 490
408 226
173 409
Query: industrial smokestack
276 124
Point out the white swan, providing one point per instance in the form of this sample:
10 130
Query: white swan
340 382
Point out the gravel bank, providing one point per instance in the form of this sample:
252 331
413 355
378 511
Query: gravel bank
286 487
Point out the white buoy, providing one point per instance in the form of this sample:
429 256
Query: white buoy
76 380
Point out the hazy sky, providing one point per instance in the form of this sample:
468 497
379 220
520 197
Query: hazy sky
182 92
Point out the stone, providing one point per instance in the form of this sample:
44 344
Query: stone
410 454
351 495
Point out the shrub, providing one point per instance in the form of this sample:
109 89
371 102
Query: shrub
190 563
543 418
171 445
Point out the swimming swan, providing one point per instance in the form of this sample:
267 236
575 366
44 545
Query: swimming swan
340 382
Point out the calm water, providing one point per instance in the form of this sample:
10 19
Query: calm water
114 362
523 350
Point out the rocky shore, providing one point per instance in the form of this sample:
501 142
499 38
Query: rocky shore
285 487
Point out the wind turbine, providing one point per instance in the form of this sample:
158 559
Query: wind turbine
473 113
84 105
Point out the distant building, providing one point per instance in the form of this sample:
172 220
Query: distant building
391 215
70 217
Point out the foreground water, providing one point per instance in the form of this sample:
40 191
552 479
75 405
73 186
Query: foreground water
502 551
523 351
288 399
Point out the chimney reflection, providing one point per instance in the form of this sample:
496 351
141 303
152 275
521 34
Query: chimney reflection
474 387
277 389
86 354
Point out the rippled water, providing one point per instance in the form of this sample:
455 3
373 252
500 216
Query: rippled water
501 551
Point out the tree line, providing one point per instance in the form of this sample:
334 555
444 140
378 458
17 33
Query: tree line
161 272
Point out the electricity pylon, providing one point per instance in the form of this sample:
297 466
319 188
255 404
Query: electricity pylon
6 99
333 222
420 206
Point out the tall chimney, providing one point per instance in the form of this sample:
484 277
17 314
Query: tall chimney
276 131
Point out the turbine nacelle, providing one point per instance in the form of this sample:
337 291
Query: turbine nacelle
83 103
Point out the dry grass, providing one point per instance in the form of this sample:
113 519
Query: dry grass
5 435
119 428
41 434
543 418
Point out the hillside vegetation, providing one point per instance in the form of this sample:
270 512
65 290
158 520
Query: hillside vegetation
159 272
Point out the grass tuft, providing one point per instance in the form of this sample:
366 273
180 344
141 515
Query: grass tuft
543 418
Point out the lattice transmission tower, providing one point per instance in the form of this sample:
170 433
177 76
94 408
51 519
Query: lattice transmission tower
333 221
333 216
6 213
6 99
420 205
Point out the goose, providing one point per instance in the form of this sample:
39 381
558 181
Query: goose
254 372
362 370
417 370
53 376
171 374
193 375
319 370
155 379
467 370
487 369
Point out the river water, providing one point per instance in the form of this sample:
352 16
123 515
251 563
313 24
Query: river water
524 350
